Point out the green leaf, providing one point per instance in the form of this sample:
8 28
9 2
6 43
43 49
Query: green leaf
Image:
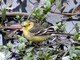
25 58
71 52
28 58
22 39
21 46
66 58
17 16
29 54
76 36
3 15
53 57
58 3
38 13
22 17
51 1
30 49
47 6
9 45
46 56
1 47
61 27
5 47
77 27
77 52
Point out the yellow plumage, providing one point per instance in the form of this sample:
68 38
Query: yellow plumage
27 26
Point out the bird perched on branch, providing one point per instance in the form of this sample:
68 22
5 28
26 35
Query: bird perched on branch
38 36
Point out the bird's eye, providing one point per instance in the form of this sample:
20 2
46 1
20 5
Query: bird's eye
29 24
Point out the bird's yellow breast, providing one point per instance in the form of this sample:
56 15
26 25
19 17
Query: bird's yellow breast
33 38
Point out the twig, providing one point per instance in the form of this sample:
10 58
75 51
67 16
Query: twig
10 27
12 33
19 27
27 14
63 33
16 13
68 14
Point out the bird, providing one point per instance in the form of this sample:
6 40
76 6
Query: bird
38 36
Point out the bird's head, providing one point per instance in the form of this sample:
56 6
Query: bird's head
27 25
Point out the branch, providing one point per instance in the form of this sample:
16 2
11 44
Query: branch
63 33
19 27
67 14
16 13
27 14
10 27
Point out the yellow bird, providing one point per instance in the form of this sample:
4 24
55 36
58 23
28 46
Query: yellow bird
39 36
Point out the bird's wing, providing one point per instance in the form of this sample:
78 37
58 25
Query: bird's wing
41 32
36 28
46 31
